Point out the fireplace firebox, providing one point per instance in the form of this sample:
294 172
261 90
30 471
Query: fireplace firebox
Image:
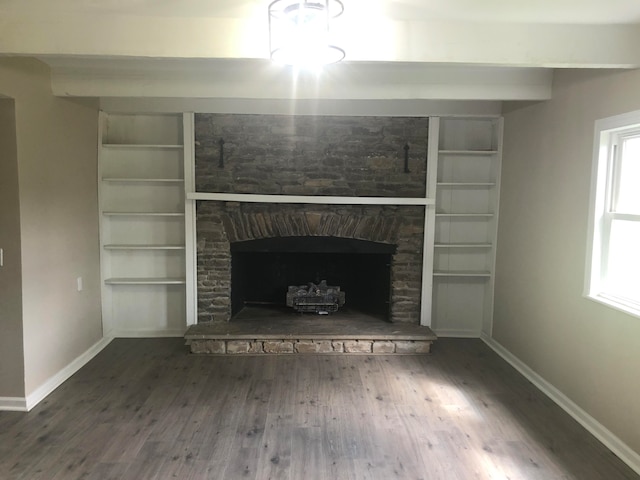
263 269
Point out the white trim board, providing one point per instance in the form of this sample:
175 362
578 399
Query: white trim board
59 378
611 441
13 404
456 333
190 235
311 199
147 333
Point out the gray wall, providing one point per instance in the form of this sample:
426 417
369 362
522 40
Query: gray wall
57 169
588 351
11 351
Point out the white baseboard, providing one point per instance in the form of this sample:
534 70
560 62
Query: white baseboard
59 378
612 442
13 404
448 332
147 333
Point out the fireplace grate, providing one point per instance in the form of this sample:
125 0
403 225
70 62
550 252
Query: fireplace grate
320 298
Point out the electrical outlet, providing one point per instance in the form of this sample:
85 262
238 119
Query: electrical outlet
1 257
79 283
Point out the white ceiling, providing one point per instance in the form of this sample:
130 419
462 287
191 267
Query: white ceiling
520 11
402 49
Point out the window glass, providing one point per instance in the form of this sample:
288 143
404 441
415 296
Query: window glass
628 188
623 266
613 261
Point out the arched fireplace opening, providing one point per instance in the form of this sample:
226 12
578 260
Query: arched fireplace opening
262 271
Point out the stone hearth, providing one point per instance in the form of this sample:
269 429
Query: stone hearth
260 331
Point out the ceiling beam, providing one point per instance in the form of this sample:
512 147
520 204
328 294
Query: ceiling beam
377 40
259 106
260 79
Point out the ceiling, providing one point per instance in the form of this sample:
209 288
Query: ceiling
520 11
404 49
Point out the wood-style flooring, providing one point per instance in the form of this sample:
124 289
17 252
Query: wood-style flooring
145 409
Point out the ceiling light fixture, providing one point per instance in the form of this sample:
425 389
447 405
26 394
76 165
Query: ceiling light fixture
299 32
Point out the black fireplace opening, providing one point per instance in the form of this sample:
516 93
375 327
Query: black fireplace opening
262 271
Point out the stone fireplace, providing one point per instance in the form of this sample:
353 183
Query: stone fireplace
399 229
243 247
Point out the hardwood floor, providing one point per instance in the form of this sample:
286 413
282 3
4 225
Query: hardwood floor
144 409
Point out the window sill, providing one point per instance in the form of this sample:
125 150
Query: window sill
626 306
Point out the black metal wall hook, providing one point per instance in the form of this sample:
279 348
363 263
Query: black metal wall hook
406 158
221 159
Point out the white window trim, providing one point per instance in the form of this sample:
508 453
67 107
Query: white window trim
599 217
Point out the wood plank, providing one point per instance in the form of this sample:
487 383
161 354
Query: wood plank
307 454
144 408
275 456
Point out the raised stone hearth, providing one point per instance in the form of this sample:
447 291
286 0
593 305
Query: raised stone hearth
260 331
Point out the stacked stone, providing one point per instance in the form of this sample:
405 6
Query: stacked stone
311 155
346 156
261 347
220 223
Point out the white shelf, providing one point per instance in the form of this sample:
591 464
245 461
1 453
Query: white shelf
134 146
480 153
143 180
145 281
462 215
141 171
463 245
143 214
466 184
143 247
447 273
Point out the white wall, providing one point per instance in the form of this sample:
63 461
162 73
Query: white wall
589 352
57 165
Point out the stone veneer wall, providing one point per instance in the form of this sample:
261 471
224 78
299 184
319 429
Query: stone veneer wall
311 155
220 223
346 156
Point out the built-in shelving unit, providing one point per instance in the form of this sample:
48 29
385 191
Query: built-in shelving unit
466 208
141 167
147 221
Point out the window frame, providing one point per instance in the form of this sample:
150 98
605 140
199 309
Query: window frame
608 134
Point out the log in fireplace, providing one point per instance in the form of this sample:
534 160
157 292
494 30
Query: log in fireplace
317 298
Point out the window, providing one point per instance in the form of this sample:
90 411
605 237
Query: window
613 263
